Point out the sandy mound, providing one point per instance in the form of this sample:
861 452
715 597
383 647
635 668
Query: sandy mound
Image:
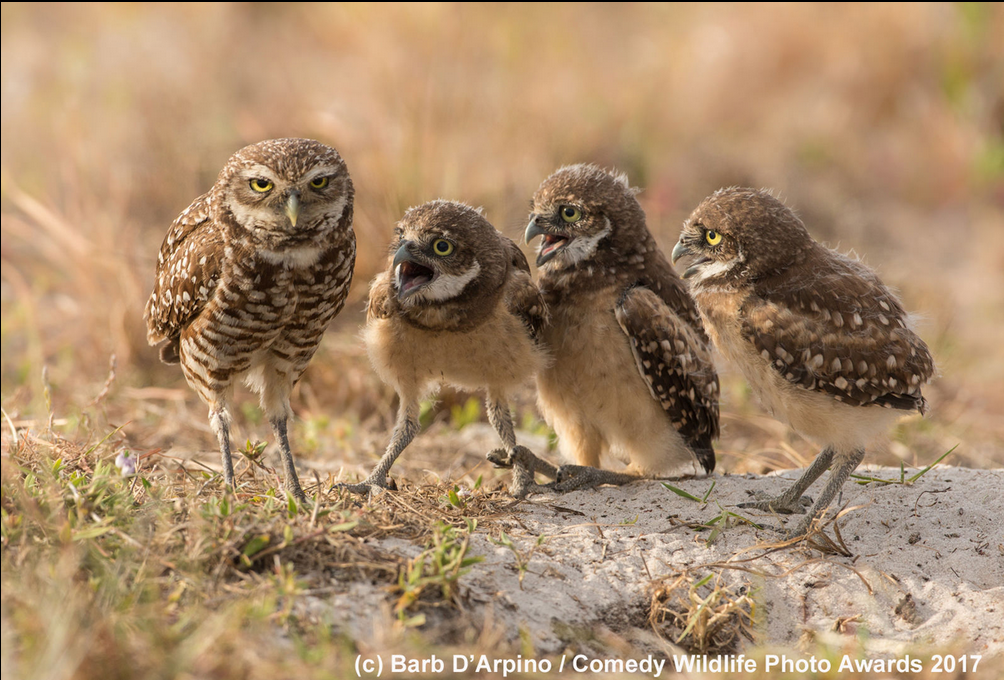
925 565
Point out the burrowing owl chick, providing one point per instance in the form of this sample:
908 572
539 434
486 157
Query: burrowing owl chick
249 276
457 306
824 344
631 373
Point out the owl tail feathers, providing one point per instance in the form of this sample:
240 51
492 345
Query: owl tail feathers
170 352
706 457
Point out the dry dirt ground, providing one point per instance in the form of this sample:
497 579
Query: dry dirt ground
909 567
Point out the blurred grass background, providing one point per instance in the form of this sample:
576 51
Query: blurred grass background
882 126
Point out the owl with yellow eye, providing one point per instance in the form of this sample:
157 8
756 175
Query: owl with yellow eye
456 306
249 277
631 376
823 343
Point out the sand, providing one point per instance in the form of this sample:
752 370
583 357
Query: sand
925 569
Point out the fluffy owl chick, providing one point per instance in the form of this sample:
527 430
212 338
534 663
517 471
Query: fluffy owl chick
249 276
823 343
457 306
631 374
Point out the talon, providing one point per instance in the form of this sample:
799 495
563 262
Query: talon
500 458
525 465
565 473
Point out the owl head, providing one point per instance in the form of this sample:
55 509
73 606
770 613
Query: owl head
285 191
445 252
740 235
585 214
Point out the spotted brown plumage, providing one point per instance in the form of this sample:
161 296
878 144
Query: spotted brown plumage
824 344
456 306
249 277
630 374
677 366
847 337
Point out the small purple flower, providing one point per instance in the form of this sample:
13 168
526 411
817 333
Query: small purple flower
126 463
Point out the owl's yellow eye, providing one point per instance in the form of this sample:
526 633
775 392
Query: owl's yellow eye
712 237
570 213
261 185
442 247
319 182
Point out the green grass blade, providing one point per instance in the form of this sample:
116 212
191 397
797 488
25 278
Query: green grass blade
708 492
681 492
928 468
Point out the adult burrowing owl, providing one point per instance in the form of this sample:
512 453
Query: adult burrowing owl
249 276
457 306
824 345
631 372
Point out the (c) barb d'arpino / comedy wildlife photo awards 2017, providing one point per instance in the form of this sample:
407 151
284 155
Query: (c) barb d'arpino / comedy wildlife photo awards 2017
482 341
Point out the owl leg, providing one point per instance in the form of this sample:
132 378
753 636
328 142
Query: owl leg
405 429
292 482
575 477
792 501
219 420
845 465
523 462
275 384
583 442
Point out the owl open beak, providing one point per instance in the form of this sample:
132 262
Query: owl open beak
293 207
551 242
409 274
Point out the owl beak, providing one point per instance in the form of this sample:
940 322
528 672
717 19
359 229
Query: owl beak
409 274
550 245
532 231
293 207
403 254
680 250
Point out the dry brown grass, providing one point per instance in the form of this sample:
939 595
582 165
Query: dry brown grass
703 616
882 125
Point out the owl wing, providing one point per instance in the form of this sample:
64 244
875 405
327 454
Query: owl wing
382 301
843 336
523 298
675 365
187 272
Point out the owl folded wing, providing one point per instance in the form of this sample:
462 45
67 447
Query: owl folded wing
674 364
856 349
187 273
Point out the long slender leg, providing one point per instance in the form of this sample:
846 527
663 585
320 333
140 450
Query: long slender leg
523 462
791 501
845 465
574 477
292 483
219 420
405 429
276 385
